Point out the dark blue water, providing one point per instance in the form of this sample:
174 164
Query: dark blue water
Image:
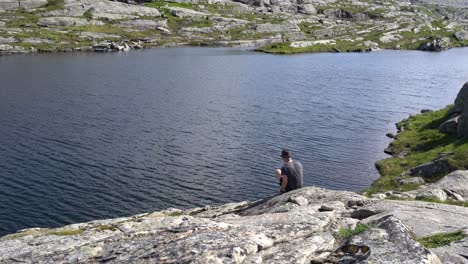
90 136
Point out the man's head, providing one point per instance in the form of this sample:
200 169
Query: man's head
286 155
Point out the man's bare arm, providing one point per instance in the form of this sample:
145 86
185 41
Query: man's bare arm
284 183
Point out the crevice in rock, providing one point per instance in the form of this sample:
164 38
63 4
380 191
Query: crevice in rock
363 214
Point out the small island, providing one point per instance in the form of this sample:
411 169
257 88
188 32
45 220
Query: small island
415 213
282 27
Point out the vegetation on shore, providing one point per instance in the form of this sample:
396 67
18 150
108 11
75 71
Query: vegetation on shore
342 26
442 239
422 142
349 232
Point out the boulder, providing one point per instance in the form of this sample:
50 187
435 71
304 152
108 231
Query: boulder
459 113
455 182
461 36
450 126
437 167
460 101
432 193
307 9
437 44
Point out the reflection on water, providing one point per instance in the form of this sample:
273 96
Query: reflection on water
88 136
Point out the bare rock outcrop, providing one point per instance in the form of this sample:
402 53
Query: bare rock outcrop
301 226
457 120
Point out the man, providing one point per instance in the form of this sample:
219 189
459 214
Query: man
291 173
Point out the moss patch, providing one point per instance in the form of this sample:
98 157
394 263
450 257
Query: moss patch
442 239
65 232
349 232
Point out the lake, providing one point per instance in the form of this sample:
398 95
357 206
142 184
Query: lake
87 136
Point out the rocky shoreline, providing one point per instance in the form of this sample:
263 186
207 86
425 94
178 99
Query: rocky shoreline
309 225
439 176
279 26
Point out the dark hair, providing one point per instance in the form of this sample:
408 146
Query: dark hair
286 153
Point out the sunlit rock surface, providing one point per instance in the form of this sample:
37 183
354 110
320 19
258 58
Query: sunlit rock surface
303 226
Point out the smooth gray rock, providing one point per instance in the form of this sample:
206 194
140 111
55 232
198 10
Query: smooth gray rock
412 180
9 5
390 241
423 218
8 40
432 193
66 22
37 41
95 35
456 182
143 24
276 28
304 221
307 9
7 49
184 12
103 9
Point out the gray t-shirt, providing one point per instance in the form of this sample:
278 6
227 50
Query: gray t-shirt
293 170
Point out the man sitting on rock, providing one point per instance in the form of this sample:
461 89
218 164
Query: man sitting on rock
291 173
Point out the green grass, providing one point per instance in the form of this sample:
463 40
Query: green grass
88 14
44 231
442 239
23 20
376 13
424 142
202 23
348 232
309 28
176 214
65 232
54 4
